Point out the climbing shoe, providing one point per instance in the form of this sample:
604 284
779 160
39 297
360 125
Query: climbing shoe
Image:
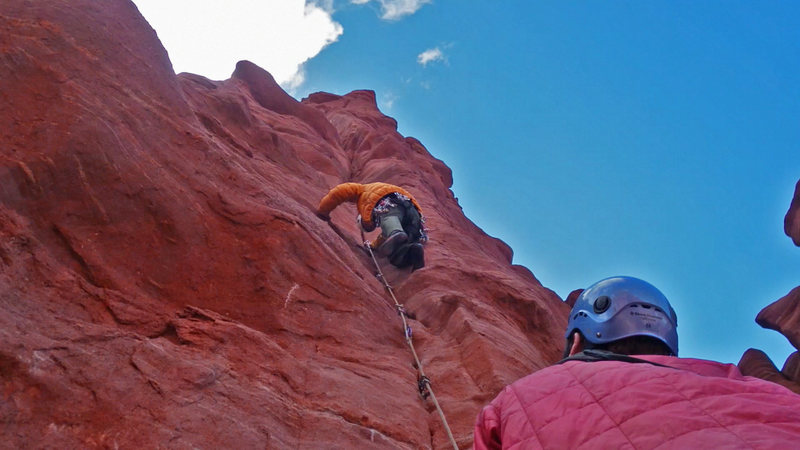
392 242
408 254
415 256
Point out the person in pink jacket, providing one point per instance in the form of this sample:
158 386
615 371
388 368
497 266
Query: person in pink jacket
621 385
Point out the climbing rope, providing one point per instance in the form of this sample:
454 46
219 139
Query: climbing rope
423 382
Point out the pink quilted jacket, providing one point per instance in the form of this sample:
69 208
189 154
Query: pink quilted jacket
618 405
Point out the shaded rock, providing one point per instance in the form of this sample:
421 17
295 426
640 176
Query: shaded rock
573 297
756 363
783 316
791 368
791 222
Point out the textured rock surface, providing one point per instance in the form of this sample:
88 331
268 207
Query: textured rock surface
572 297
791 223
756 363
164 281
782 316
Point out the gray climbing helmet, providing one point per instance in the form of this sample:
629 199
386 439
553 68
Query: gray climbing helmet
621 307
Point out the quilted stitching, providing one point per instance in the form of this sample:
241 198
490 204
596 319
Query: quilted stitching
619 405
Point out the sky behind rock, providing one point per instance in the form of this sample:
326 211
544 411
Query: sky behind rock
653 139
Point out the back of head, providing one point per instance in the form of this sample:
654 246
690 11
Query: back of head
626 312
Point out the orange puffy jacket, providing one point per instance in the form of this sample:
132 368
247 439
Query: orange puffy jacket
366 196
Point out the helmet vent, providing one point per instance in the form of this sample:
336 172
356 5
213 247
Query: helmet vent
646 306
601 304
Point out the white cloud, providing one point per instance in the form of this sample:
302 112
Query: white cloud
326 5
207 38
387 100
296 80
430 55
395 9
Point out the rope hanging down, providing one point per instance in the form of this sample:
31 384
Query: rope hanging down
423 382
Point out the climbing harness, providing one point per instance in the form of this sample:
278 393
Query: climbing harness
423 382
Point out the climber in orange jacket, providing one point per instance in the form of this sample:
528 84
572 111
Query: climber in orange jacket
393 209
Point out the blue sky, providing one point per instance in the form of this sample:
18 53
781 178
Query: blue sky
656 139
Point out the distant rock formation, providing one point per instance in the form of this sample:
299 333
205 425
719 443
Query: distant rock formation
782 316
791 223
164 281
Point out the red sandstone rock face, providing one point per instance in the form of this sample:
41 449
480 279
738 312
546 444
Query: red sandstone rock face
164 281
791 223
782 316
756 363
572 297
